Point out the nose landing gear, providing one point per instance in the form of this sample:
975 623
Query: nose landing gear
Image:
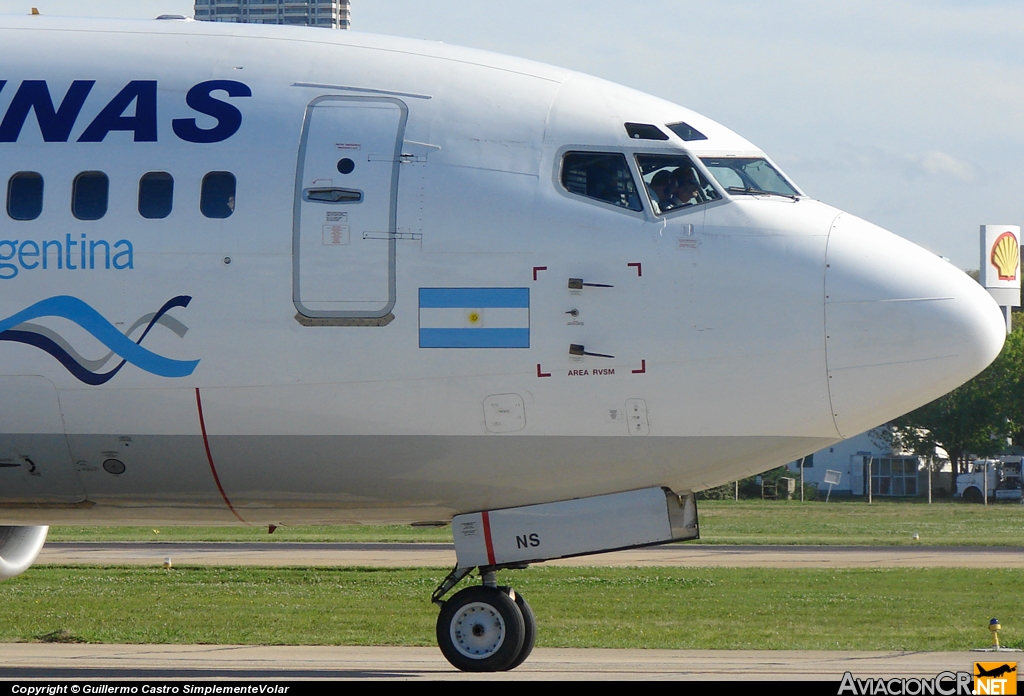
486 628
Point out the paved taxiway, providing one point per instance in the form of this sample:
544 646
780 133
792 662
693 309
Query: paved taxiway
261 663
443 555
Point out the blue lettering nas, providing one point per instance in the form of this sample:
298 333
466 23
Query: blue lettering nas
138 98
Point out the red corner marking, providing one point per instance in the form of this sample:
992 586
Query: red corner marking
537 269
487 537
643 368
542 374
639 270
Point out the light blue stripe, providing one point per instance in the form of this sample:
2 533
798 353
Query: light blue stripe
474 297
76 310
474 338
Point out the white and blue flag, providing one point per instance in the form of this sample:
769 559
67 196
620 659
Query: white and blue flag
474 317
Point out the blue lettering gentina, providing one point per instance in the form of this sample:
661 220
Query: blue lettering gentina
68 254
138 98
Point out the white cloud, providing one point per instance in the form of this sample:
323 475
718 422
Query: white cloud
940 163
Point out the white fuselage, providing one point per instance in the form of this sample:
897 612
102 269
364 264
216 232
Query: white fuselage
746 331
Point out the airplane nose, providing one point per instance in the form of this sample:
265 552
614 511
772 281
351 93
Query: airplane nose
902 326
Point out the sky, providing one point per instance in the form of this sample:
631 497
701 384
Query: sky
907 114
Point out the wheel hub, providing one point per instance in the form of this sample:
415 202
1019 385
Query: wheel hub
478 630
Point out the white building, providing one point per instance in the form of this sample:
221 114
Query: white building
335 14
892 474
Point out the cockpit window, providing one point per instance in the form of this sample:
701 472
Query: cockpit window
601 176
748 175
673 183
645 131
686 132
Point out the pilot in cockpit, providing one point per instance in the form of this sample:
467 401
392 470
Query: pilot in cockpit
661 188
683 189
671 189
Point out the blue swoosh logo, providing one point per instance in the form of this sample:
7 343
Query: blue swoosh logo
77 311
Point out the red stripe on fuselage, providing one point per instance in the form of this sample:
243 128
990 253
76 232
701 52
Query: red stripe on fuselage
209 458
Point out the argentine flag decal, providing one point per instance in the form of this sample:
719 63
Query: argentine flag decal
474 317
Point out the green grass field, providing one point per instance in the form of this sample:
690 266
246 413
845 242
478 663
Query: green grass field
857 609
721 522
857 523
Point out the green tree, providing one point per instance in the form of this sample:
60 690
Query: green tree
1014 389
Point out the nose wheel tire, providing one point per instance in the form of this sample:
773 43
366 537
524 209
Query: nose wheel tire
529 625
481 629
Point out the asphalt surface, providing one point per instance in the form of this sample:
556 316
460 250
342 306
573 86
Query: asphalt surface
280 554
30 661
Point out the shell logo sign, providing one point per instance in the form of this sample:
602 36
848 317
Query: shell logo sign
1000 263
1005 256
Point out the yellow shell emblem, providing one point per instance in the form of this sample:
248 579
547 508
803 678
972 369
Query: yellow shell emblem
1006 256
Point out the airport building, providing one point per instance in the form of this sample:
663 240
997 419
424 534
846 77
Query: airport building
866 460
335 14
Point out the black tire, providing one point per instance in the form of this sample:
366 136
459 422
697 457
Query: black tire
529 628
480 629
973 495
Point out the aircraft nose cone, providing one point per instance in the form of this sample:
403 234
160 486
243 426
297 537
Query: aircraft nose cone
902 326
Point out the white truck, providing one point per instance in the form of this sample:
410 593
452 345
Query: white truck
1001 474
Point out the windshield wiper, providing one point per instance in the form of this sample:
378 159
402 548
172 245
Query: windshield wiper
759 192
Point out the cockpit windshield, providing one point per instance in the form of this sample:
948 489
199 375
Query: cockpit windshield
749 175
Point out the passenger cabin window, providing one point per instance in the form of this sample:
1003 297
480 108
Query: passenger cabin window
217 199
674 183
89 195
749 175
25 196
156 195
602 176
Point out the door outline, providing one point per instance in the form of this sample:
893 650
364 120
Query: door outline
392 214
43 450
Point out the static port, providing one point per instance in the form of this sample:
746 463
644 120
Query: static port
114 466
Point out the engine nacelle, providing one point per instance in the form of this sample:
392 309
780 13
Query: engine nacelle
19 547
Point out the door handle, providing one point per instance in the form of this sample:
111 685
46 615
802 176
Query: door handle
332 195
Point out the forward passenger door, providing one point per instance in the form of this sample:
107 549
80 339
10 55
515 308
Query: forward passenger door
345 207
